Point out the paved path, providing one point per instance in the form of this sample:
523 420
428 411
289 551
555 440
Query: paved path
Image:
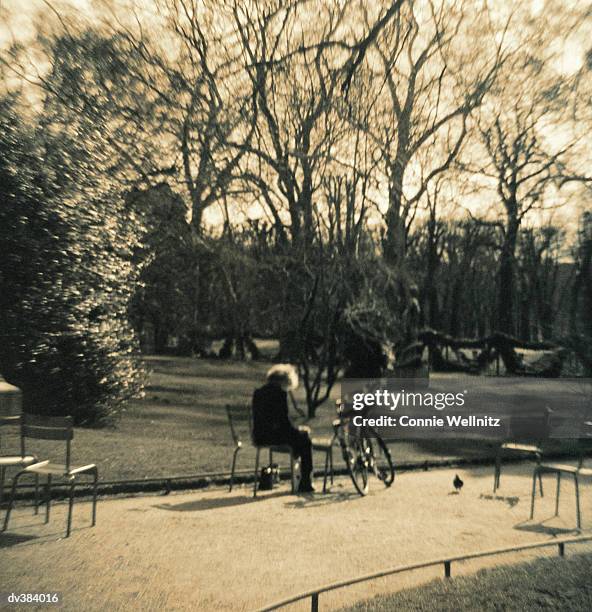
211 550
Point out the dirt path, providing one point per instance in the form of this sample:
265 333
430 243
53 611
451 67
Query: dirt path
214 550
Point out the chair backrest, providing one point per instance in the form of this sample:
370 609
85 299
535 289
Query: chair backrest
11 399
585 442
49 428
235 414
14 421
530 427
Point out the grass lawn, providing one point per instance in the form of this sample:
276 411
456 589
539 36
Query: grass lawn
180 427
545 584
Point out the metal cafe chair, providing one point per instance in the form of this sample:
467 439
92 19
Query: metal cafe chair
56 429
576 471
15 460
234 413
527 435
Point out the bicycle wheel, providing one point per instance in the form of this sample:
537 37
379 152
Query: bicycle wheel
380 459
357 464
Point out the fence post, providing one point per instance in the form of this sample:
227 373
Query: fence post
446 569
561 549
314 603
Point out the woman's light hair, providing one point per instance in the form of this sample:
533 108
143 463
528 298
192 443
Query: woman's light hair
285 374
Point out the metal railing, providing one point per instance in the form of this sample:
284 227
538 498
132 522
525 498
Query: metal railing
314 594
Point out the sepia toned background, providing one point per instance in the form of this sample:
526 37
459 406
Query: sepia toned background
192 190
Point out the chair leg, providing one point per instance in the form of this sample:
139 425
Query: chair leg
11 500
541 484
256 473
95 490
232 468
48 498
270 464
326 471
70 507
331 462
557 493
2 476
578 512
36 494
497 471
534 479
292 473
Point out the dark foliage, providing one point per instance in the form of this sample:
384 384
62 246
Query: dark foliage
66 271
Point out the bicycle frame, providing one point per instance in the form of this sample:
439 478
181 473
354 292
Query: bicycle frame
359 453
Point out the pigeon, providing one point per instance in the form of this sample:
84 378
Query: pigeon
457 482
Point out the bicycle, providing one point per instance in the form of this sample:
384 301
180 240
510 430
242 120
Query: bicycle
363 451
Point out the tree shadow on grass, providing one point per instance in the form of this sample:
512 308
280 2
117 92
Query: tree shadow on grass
200 505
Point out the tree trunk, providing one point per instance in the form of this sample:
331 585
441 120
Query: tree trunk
454 328
395 243
160 337
431 316
506 275
394 246
196 219
524 333
237 345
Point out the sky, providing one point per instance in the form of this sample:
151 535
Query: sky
21 15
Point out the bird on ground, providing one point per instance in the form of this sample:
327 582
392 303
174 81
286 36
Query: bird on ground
457 482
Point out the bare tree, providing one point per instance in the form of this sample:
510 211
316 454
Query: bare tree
539 253
581 298
524 166
416 101
428 243
294 86
166 90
